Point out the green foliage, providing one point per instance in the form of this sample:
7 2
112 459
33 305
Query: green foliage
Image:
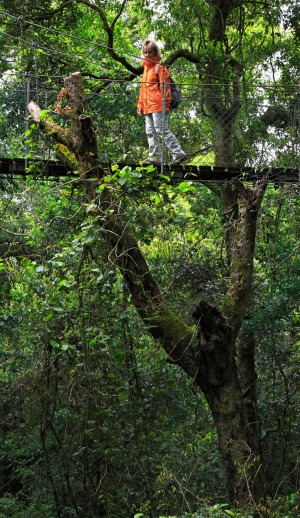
80 373
12 127
93 420
285 506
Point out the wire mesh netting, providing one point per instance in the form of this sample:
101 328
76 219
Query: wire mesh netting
258 129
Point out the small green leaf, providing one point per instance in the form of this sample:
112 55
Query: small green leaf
43 114
186 187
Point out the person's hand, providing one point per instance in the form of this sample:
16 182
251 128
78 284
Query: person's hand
139 111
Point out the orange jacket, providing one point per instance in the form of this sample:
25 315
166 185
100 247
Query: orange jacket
151 92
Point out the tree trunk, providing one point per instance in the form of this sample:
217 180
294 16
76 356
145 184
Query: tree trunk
220 364
233 408
223 118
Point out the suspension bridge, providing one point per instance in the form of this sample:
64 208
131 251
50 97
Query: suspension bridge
266 137
11 168
263 124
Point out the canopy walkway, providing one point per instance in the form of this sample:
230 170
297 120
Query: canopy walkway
264 129
53 170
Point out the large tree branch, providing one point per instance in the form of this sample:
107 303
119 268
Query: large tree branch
118 14
181 53
124 251
109 29
213 365
38 13
221 10
48 126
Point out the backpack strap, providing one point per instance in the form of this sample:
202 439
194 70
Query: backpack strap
156 72
175 92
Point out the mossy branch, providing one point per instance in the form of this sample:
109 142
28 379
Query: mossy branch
49 127
65 155
78 147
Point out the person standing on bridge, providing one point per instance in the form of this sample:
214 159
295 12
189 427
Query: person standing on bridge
151 104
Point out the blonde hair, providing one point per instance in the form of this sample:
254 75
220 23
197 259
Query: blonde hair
150 44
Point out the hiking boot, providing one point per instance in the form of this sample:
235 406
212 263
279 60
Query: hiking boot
151 161
180 160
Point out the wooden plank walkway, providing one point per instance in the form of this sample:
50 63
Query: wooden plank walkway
51 169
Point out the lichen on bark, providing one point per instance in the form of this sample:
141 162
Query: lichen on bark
65 155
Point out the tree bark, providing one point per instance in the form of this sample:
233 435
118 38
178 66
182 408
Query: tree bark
220 11
226 371
219 363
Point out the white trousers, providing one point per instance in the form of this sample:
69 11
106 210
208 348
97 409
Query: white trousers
154 132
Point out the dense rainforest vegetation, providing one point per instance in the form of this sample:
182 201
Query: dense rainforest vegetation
149 330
